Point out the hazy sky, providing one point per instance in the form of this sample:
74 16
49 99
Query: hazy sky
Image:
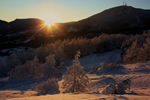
64 10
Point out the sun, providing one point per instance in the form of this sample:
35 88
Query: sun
49 19
49 22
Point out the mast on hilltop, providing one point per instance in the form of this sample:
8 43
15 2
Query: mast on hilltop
124 3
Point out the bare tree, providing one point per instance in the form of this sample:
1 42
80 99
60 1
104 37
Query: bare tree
75 79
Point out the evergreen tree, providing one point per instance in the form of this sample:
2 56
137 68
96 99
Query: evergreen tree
49 67
75 79
35 68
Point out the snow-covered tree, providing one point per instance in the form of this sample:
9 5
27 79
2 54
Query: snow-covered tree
36 68
75 79
49 67
31 69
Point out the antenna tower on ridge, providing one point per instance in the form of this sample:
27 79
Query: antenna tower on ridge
124 3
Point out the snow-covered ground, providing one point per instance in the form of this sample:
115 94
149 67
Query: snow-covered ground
85 96
138 73
95 59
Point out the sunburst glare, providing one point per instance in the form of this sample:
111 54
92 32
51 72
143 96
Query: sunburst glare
49 19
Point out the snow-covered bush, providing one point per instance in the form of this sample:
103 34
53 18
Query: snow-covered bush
109 89
110 66
13 61
136 49
4 68
6 64
35 69
123 86
118 88
49 67
66 49
31 69
75 79
107 42
48 87
25 56
82 44
94 69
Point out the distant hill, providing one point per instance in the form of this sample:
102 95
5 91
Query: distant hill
19 25
4 27
25 24
114 20
22 33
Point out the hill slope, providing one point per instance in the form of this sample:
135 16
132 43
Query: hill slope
115 20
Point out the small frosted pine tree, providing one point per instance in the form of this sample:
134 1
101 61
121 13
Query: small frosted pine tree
36 68
75 79
49 67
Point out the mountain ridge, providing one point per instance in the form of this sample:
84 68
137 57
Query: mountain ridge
113 20
125 16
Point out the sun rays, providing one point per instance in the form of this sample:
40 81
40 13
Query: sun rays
49 19
48 28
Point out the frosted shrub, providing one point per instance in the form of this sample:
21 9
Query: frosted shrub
42 52
82 44
94 69
132 53
75 79
31 69
109 89
13 61
66 49
107 42
121 87
4 68
34 69
25 56
136 49
87 46
48 87
9 63
55 48
110 66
